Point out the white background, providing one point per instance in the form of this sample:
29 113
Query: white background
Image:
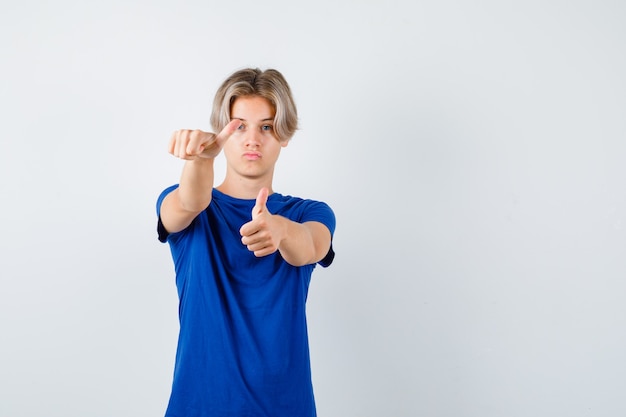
473 153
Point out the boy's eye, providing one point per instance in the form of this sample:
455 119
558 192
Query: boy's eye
267 127
240 127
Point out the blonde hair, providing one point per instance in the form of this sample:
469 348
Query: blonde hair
269 84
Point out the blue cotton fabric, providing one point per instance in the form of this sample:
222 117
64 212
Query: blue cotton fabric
243 347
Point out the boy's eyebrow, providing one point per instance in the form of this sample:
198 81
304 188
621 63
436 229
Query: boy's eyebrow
269 119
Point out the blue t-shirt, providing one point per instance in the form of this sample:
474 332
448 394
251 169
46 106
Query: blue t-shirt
243 347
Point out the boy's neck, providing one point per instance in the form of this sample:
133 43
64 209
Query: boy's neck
243 189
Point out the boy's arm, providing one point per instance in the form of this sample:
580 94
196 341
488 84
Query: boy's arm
298 243
304 243
193 194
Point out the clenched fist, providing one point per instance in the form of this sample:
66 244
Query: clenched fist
192 144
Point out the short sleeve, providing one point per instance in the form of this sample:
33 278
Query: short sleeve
162 233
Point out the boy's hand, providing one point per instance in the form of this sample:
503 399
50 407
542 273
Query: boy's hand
192 144
264 233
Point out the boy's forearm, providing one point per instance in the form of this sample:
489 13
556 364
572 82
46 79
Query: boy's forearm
196 184
305 243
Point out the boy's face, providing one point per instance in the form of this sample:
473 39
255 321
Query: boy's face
252 151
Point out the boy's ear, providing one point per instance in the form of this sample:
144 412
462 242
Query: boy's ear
284 143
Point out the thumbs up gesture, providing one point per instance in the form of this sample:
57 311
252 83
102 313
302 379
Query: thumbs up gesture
263 234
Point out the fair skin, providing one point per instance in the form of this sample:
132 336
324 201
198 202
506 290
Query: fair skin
251 152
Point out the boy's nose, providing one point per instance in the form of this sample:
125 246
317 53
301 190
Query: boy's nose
252 139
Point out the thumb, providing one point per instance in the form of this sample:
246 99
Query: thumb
261 202
227 132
